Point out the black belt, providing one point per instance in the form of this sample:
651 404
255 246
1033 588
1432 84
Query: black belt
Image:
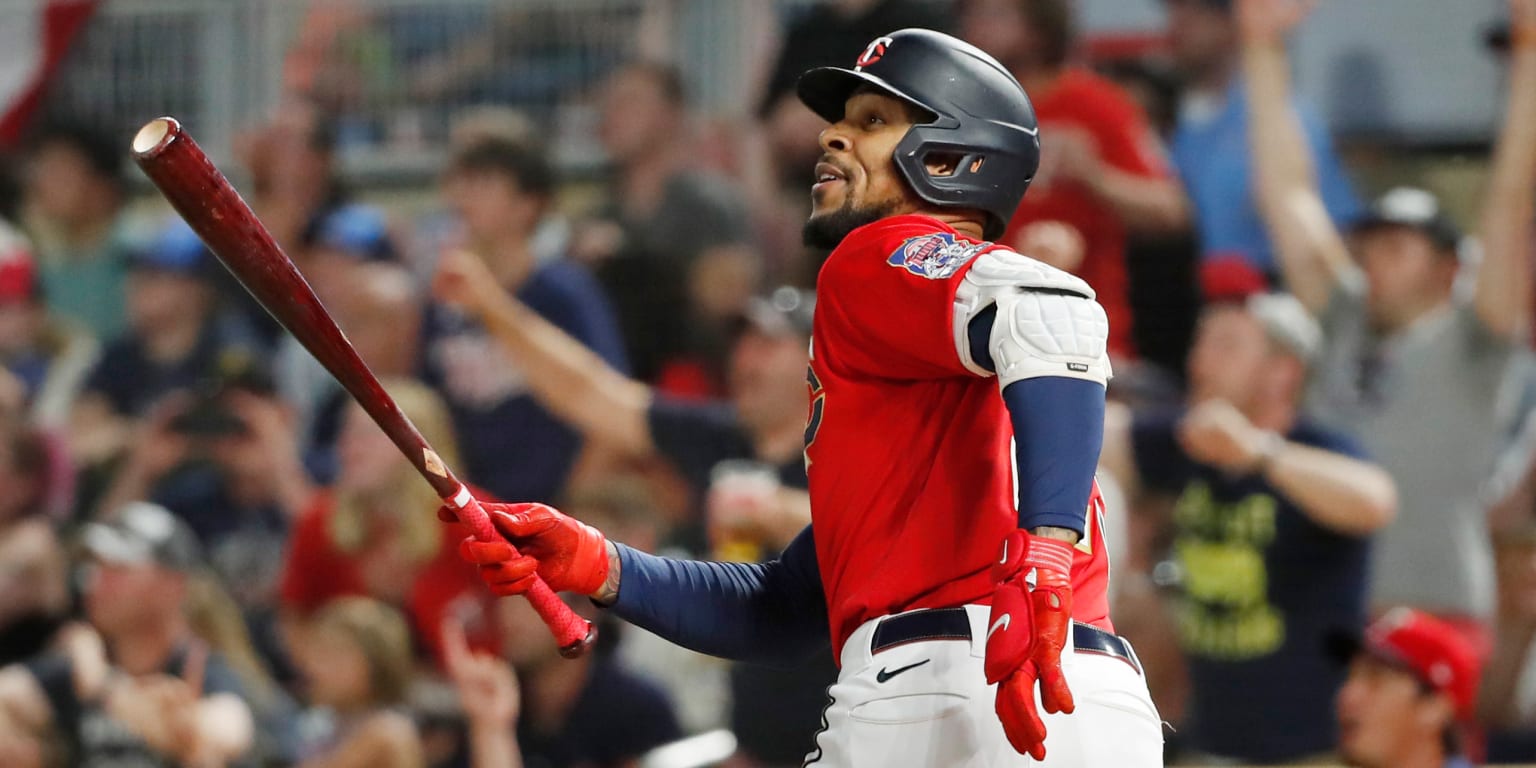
955 624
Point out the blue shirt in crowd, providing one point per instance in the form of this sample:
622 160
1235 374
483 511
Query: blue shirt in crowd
511 446
1265 588
1210 149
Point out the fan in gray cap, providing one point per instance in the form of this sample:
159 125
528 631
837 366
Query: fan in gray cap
142 533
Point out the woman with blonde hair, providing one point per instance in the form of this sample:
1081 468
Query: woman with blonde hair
356 662
368 535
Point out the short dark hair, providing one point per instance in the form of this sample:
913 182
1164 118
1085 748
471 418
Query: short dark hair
525 162
667 77
100 151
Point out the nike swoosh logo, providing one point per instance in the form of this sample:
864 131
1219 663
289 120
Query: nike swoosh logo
1002 623
883 675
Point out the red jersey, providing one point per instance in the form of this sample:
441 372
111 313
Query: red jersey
1084 102
908 452
316 571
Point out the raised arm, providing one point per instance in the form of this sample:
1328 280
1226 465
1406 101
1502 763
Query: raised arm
1311 252
573 382
1503 295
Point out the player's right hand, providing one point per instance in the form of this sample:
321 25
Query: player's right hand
569 555
1026 634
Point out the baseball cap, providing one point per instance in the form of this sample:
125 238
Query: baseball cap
1287 322
786 310
1434 651
174 248
1412 207
143 532
356 230
18 270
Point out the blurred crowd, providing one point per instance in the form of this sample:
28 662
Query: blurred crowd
1320 451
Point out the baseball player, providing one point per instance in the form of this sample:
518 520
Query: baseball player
955 558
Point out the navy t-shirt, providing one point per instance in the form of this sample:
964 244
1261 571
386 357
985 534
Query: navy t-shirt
511 446
617 718
132 382
1264 587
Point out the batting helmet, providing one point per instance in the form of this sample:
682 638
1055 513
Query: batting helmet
979 111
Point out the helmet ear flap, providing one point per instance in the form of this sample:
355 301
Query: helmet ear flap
985 175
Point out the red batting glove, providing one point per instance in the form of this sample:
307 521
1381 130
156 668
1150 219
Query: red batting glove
1027 631
569 555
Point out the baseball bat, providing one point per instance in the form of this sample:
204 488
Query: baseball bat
212 207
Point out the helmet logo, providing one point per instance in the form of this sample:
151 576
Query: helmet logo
872 54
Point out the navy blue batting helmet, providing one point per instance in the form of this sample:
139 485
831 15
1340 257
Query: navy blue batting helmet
980 114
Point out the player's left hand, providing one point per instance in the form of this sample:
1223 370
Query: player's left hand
1026 634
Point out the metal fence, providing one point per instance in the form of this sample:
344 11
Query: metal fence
395 72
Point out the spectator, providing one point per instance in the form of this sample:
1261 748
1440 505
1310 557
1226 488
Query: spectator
1102 168
366 535
296 190
489 695
45 361
1409 364
34 593
587 711
226 464
1412 686
773 710
295 184
512 446
136 687
73 201
1210 146
176 340
356 660
1270 527
671 244
379 306
218 621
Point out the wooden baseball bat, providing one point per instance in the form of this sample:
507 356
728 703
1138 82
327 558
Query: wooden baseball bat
212 207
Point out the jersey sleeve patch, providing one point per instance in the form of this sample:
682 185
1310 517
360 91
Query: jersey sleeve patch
934 256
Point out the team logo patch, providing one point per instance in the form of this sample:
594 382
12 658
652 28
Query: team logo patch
935 256
873 53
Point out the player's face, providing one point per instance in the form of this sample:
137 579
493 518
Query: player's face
857 182
1382 711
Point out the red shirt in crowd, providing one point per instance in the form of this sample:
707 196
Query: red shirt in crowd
1086 103
316 571
908 451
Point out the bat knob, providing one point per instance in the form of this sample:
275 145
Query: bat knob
581 646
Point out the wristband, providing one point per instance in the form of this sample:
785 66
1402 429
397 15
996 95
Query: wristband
1269 447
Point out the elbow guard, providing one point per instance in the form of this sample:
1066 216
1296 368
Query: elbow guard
1047 322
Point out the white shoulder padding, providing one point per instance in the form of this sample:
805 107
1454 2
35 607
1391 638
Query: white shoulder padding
1049 334
1047 323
